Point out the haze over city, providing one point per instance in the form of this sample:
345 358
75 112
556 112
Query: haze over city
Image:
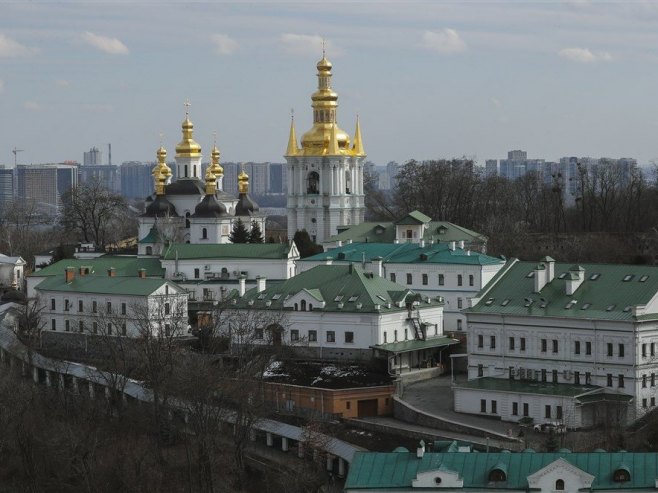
428 79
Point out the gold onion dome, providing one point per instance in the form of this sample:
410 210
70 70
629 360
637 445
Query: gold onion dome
211 181
161 172
188 146
216 168
243 182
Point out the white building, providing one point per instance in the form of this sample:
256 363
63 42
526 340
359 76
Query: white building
119 306
345 312
12 272
325 173
555 342
445 270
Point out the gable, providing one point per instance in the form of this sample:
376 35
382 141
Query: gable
575 479
438 478
309 296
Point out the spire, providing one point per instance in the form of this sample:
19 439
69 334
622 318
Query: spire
357 148
292 139
333 148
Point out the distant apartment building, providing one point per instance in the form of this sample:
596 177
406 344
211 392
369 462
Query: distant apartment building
278 177
136 179
7 185
45 184
574 167
107 175
92 157
258 177
491 167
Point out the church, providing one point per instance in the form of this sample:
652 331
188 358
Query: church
325 172
191 210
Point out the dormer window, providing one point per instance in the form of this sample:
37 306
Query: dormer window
497 475
621 475
303 305
559 485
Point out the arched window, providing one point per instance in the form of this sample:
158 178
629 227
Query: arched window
310 307
497 475
187 221
348 182
204 234
303 305
559 485
149 250
621 475
296 307
313 183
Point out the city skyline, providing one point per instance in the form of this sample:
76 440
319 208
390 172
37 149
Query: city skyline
435 80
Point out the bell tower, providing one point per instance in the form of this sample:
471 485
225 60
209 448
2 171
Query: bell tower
325 172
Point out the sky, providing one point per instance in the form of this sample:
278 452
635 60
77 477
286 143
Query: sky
433 79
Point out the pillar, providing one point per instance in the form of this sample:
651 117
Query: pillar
92 391
268 439
341 467
74 385
48 379
300 450
330 462
35 374
284 444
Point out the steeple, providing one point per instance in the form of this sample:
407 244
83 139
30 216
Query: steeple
357 148
292 139
332 148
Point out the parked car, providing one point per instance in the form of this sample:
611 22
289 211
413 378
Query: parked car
550 427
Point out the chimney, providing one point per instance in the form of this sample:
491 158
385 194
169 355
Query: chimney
422 243
468 253
574 279
111 272
242 285
461 244
339 243
141 273
378 266
550 268
81 271
420 451
328 261
69 274
452 246
261 283
540 277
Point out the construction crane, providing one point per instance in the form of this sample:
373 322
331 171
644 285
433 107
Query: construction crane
15 153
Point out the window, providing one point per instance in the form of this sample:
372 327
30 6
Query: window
348 405
459 325
471 280
441 279
653 348
511 344
588 348
621 476
480 341
621 350
526 409
80 305
459 279
620 381
53 324
124 331
494 407
349 337
196 274
483 405
644 350
511 372
559 485
554 345
410 278
543 374
425 280
109 329
588 378
522 344
167 330
204 234
653 401
576 377
644 402
385 341
515 408
109 307
554 376
296 307
94 307
313 336
547 411
94 327
67 305
558 412
459 303
81 326
167 308
609 380
258 333
392 276
543 345
644 381
331 336
480 371
406 334
653 379
294 335
576 348
496 475
609 349
52 304
395 335
302 305
67 325
492 342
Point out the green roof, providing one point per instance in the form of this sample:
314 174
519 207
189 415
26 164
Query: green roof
384 232
379 470
415 217
129 286
153 236
608 292
187 251
343 288
528 387
415 345
405 253
124 265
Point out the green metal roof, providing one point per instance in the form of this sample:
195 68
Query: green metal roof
186 251
384 232
415 345
607 296
414 217
346 285
528 387
129 286
405 253
124 265
380 471
153 236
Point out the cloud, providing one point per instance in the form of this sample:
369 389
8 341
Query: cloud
109 45
98 108
62 83
10 48
585 55
224 45
32 106
445 41
303 44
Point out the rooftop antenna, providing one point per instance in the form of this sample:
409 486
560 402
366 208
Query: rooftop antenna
15 153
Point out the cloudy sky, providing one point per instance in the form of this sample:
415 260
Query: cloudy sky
429 79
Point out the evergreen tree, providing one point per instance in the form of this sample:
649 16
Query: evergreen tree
239 234
305 245
255 235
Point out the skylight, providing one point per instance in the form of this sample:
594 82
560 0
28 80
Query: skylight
609 308
585 306
594 276
505 302
644 278
489 301
382 298
353 298
276 296
562 276
570 305
628 308
339 298
262 296
628 277
531 273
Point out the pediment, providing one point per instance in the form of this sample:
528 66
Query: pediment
438 478
573 477
310 296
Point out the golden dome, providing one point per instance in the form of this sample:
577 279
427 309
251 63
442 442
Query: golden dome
211 181
243 182
216 168
188 147
161 172
324 64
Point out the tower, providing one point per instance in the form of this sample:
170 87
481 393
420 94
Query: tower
325 173
188 153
